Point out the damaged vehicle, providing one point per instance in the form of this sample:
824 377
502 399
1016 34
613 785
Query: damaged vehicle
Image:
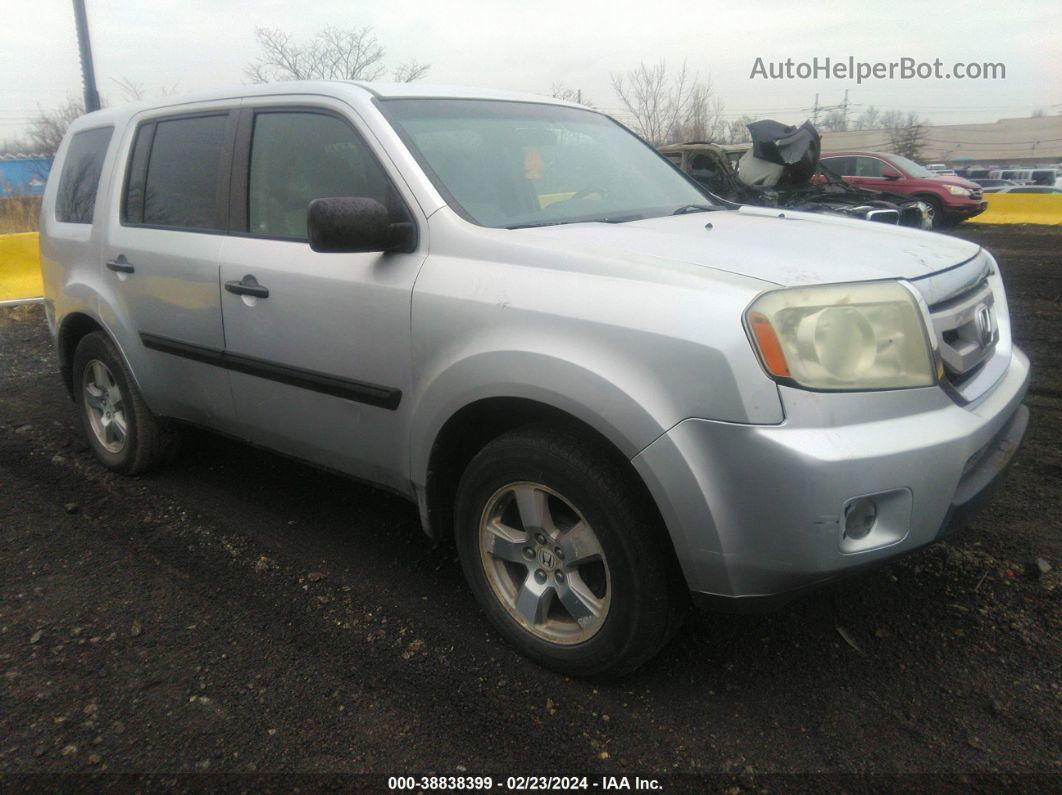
781 168
609 394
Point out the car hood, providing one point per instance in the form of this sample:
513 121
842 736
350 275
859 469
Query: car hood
951 179
783 247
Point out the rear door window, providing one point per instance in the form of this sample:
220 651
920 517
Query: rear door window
180 188
840 165
80 180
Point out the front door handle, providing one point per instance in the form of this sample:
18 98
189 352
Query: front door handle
248 285
120 264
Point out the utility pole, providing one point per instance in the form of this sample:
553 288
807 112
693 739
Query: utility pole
842 107
88 72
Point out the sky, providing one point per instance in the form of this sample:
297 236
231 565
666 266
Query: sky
528 45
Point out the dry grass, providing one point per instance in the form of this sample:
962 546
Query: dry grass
19 214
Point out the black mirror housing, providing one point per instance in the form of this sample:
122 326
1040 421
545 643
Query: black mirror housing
356 224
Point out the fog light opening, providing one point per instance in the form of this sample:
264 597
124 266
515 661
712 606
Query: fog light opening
859 518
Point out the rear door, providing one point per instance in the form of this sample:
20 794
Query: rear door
161 255
320 359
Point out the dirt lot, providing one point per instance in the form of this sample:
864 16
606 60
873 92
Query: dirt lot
238 612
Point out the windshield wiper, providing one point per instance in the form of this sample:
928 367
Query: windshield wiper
619 219
696 208
543 223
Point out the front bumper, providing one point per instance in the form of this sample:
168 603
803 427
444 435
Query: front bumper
966 210
758 511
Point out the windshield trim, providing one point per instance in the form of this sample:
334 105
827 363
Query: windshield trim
451 200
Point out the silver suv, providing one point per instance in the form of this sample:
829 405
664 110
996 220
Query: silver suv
608 392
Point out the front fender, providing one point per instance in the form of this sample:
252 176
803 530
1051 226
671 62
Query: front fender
622 418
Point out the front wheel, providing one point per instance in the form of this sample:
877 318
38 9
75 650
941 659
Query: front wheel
936 212
565 554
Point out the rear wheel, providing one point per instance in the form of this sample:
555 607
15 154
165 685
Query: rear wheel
122 432
564 554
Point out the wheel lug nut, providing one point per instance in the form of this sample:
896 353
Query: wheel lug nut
540 538
560 576
529 553
559 553
540 576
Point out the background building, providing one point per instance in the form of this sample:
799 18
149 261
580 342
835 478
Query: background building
23 175
1034 141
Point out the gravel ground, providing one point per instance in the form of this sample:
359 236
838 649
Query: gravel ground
241 613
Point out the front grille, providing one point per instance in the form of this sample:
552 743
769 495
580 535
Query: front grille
884 216
966 330
975 193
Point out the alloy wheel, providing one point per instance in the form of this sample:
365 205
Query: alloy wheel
105 406
544 563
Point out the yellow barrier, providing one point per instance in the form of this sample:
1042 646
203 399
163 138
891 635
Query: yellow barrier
1021 208
20 267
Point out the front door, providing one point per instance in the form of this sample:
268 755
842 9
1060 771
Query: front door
317 345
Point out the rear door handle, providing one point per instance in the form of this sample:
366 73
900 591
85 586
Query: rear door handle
120 264
248 285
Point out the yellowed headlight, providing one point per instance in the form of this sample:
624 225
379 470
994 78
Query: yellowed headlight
866 335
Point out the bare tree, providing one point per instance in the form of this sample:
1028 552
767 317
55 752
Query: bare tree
869 119
667 104
835 121
15 146
906 132
333 54
703 118
47 128
561 91
131 92
736 131
411 71
134 92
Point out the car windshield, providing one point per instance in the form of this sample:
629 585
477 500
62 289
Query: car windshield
520 164
911 167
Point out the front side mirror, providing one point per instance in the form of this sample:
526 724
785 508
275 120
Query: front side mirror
887 174
356 224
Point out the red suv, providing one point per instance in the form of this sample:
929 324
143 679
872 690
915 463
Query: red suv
951 199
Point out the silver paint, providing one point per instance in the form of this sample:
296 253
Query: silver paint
635 329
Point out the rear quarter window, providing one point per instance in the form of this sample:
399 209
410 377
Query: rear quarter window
80 180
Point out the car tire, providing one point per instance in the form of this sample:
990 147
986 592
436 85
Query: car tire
939 221
123 433
614 599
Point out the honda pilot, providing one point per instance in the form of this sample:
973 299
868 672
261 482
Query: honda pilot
614 397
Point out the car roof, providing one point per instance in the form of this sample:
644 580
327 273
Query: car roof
332 88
